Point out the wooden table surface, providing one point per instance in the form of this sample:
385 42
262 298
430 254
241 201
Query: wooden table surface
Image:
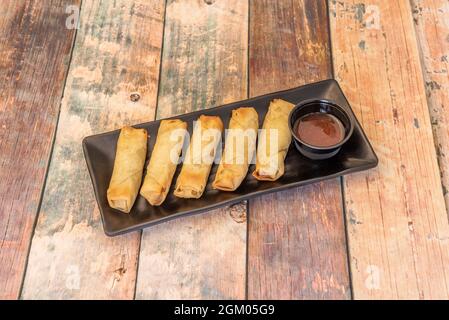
379 234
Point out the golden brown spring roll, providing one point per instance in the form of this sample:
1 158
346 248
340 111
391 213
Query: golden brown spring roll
199 158
240 146
128 168
271 154
163 161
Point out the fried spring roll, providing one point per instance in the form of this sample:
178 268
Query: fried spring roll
200 155
128 168
240 146
274 141
163 161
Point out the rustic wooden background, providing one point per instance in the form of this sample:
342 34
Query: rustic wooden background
379 234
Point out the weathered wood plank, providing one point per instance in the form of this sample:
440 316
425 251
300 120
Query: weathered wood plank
296 246
117 53
204 64
432 28
397 223
34 55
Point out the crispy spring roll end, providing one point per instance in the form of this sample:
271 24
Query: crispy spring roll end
120 204
225 183
156 196
267 175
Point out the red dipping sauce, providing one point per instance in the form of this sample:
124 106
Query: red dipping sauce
320 129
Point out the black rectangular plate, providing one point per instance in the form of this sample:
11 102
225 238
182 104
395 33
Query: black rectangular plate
99 151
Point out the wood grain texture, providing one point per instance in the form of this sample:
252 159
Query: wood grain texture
34 54
204 64
116 56
296 240
432 28
397 223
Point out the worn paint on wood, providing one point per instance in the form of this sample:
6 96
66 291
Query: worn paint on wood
397 223
204 64
200 257
432 28
34 54
296 246
116 58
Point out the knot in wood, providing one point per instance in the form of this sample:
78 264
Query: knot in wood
135 96
238 212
